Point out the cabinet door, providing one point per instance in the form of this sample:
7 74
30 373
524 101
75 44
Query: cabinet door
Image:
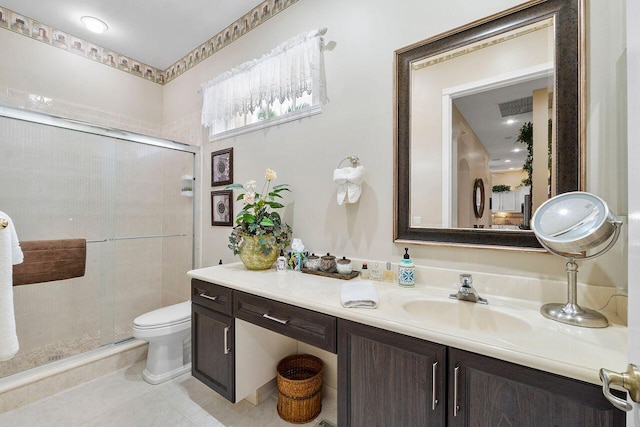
388 379
508 200
213 345
487 392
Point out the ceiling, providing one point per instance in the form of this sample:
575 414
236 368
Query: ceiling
155 32
498 134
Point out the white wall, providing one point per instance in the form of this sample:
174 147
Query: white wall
33 67
357 120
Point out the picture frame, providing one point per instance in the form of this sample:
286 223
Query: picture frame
222 167
222 208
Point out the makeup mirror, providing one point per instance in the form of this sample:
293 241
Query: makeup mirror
500 100
569 225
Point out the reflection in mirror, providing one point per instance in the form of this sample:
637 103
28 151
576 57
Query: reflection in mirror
501 101
478 199
489 91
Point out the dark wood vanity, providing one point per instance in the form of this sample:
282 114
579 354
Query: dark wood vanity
390 379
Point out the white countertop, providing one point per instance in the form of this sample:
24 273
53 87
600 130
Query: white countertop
531 339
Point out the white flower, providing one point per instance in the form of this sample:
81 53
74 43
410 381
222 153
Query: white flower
250 185
249 198
270 175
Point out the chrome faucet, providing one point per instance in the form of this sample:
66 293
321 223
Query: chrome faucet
467 292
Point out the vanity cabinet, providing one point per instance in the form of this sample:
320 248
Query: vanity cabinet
388 379
391 379
488 392
212 337
239 338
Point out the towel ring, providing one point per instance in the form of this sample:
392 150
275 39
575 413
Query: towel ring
353 159
3 223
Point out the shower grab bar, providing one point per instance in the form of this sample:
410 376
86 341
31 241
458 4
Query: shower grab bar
152 236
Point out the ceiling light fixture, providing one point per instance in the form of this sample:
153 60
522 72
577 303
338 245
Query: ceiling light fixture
507 161
516 150
94 24
511 121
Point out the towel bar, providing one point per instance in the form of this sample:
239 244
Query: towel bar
3 223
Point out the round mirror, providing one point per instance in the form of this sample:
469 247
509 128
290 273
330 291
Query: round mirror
569 225
573 222
478 197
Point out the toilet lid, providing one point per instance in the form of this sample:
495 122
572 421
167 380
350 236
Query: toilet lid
177 313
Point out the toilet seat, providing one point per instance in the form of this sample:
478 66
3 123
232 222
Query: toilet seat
172 315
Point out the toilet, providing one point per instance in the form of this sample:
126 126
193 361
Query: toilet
168 331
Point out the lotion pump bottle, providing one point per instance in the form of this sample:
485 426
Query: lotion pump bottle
281 263
406 271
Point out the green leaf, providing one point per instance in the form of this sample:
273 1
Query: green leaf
232 186
266 221
240 197
280 187
275 205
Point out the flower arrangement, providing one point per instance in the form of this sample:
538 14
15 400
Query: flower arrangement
257 217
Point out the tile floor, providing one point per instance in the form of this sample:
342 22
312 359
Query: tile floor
123 399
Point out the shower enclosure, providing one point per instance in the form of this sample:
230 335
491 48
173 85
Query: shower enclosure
123 194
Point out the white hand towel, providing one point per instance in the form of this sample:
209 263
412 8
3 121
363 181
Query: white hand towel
16 250
360 294
349 182
8 337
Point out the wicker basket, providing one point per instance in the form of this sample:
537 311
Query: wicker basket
299 388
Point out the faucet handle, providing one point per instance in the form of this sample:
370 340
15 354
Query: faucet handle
466 279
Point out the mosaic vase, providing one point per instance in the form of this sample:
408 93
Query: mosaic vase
258 252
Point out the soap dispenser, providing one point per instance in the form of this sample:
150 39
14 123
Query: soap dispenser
406 271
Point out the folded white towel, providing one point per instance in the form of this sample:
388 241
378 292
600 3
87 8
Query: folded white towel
349 182
8 337
16 251
361 294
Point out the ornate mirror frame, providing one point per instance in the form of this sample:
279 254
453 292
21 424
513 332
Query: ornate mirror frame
478 197
569 129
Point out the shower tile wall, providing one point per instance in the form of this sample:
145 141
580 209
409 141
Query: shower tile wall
56 184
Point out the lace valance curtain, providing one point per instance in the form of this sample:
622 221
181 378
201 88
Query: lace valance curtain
286 72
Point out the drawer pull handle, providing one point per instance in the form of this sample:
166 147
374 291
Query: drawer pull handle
456 370
227 350
212 298
275 319
434 401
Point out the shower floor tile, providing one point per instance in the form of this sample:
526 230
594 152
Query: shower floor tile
25 360
123 399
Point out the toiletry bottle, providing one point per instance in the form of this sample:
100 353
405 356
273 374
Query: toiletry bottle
376 273
406 271
388 273
364 273
281 263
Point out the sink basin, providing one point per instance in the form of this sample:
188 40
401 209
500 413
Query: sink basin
465 315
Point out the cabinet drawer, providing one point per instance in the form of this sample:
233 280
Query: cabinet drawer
215 297
298 323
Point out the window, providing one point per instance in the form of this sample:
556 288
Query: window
284 85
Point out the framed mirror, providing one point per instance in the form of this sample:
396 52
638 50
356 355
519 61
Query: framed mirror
478 198
500 100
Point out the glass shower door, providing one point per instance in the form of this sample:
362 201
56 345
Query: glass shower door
124 198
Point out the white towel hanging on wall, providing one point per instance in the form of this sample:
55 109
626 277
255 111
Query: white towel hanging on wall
10 254
349 180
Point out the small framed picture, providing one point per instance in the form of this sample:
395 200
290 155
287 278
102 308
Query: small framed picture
222 167
222 207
